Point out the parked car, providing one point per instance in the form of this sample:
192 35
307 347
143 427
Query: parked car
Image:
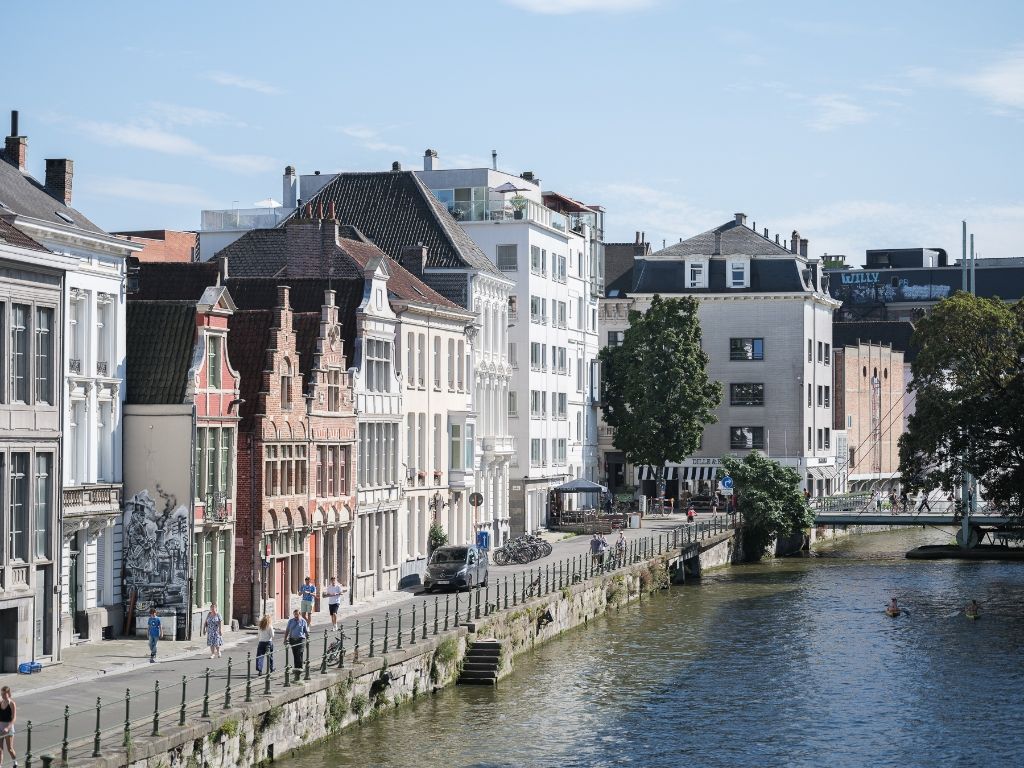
455 567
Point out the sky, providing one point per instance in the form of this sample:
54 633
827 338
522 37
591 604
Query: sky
863 125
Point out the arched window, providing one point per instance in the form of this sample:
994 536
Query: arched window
286 385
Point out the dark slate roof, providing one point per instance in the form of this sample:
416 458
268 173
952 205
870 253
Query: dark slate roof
895 333
766 276
395 210
23 195
171 281
735 238
248 344
158 353
257 253
11 235
885 286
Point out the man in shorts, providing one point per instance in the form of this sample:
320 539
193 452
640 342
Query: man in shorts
333 594
307 593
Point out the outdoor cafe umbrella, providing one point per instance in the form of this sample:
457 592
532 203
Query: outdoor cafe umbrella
508 186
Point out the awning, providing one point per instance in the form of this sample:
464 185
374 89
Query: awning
647 472
699 474
580 486
565 204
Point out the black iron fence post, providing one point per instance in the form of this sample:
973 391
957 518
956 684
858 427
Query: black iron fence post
156 708
287 664
127 717
445 615
371 637
96 736
64 741
387 629
355 652
412 635
323 659
306 665
227 688
398 638
341 646
248 676
181 711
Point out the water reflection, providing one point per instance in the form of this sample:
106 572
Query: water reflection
786 663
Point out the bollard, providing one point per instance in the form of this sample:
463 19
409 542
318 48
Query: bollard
371 637
445 614
387 627
323 659
398 638
227 688
64 742
181 712
96 737
47 760
306 664
248 677
412 635
156 708
127 713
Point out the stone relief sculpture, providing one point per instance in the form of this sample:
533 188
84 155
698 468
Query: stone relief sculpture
156 549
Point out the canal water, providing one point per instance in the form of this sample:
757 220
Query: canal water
791 662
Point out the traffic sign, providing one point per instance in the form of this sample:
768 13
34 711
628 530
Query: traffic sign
726 482
476 499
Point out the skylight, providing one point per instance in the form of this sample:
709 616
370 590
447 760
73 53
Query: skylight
4 205
65 217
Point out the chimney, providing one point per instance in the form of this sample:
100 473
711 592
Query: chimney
741 218
282 297
718 243
222 268
291 188
58 179
636 238
526 175
15 146
396 167
429 158
414 258
494 159
794 242
803 247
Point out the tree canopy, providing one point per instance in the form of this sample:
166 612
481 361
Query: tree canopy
768 499
969 380
655 387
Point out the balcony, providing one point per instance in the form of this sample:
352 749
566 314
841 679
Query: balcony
101 368
502 209
75 366
499 444
94 506
217 509
244 218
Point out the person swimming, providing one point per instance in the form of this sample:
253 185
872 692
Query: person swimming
893 608
973 610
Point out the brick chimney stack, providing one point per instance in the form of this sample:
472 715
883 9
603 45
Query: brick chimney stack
15 146
58 179
803 247
794 242
414 259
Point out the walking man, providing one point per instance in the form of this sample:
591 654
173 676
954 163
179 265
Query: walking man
924 505
154 634
307 593
295 635
333 592
595 549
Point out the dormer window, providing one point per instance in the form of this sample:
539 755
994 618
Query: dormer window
213 358
737 274
695 278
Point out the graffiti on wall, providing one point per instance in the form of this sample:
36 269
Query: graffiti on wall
156 546
875 287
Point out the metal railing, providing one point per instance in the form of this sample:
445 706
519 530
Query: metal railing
114 726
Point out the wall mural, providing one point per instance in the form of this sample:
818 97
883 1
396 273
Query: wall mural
156 561
872 287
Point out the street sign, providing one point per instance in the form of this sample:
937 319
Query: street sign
726 482
727 491
476 499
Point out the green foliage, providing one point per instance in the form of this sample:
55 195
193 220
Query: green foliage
615 590
566 593
359 704
969 414
436 537
226 729
769 499
272 716
447 650
655 386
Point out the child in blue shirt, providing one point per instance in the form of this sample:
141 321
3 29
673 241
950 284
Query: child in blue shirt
154 634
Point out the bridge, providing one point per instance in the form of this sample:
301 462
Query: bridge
908 518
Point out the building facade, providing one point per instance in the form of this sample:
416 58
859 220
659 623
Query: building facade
93 369
766 324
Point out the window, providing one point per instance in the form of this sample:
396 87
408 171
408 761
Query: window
828 433
579 427
410 364
746 394
821 440
562 365
828 354
535 402
19 507
455 446
809 446
849 422
513 358
285 469
559 403
286 385
513 405
558 268
746 437
334 389
421 354
537 309
378 364
558 314
828 397
746 349
536 356
437 363
558 451
615 338
507 257
451 364
44 355
535 452
821 395
821 352
810 395
44 504
810 351
214 345
470 429
737 274
538 260
19 353
696 276
579 374
460 356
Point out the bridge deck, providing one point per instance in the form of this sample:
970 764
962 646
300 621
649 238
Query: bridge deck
881 518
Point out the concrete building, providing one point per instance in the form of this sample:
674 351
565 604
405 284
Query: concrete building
93 364
766 320
551 247
180 429
31 302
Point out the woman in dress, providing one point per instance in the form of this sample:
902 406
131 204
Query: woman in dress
214 631
8 714
265 648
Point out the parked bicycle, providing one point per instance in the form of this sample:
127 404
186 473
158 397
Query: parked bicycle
522 550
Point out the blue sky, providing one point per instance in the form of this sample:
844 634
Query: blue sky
862 124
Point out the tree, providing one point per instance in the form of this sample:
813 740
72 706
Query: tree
769 501
655 386
969 416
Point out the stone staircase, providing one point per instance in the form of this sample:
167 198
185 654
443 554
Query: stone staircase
480 665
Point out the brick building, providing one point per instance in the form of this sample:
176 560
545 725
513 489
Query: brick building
164 244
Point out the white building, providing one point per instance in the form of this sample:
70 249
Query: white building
766 325
94 351
550 246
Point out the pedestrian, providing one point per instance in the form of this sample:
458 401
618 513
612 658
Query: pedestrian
620 547
295 635
307 593
265 646
904 501
924 505
214 631
8 714
878 501
691 514
595 549
333 592
154 634
714 504
604 547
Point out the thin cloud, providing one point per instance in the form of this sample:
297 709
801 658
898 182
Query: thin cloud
178 114
837 111
252 164
150 191
371 139
1001 82
246 83
566 7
